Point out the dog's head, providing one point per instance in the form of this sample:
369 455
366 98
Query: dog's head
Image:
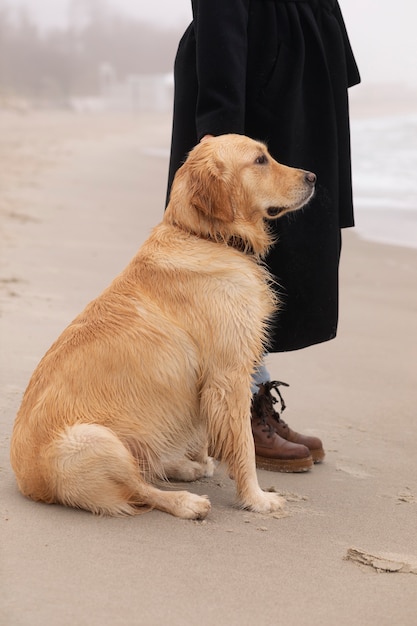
229 185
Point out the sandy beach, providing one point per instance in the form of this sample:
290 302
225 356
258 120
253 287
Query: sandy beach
78 195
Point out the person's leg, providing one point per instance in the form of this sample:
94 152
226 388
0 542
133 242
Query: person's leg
261 375
273 452
278 448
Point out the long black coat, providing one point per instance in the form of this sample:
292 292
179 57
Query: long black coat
279 72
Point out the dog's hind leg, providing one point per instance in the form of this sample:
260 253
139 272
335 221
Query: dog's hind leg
195 463
185 469
88 467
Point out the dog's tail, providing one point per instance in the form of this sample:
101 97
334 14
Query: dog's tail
88 467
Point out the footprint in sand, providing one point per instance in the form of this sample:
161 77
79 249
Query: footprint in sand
353 471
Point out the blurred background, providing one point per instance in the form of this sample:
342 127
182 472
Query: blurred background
119 53
116 56
88 53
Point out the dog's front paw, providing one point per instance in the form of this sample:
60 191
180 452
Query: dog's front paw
265 502
191 506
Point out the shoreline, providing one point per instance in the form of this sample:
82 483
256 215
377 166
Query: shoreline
384 157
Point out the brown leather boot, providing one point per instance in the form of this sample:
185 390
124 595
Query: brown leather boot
265 401
275 453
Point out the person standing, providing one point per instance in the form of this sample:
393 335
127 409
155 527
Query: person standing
278 71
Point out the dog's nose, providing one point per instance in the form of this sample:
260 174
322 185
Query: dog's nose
310 178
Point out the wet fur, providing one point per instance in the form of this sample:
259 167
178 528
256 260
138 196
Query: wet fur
157 369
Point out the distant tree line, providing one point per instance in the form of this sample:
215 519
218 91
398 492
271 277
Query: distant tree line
58 63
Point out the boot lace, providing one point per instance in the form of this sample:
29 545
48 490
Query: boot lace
275 384
267 400
263 404
259 415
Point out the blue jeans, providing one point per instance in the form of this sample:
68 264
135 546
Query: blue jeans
261 375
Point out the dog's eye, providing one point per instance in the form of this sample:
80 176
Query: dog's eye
261 160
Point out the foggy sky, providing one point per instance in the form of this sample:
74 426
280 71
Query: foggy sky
164 12
382 33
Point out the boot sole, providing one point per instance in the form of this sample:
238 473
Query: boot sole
318 455
287 466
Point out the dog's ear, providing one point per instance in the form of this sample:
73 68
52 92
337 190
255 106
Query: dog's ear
210 192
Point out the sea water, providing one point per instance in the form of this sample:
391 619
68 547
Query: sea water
384 162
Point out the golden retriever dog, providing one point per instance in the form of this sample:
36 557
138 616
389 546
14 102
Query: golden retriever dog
156 371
